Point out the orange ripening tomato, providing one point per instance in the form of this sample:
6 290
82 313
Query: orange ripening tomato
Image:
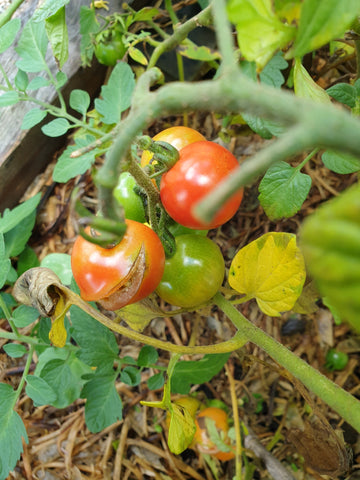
202 437
178 137
123 274
199 170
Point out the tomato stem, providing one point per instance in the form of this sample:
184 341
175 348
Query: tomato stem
341 401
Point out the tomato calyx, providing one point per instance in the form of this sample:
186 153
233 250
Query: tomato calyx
164 156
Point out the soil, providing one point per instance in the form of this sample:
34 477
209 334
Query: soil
60 446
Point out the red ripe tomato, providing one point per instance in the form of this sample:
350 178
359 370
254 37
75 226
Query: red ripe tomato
202 436
200 168
120 275
178 137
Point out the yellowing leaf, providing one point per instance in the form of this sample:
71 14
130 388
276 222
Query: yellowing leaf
271 270
304 85
181 430
58 333
260 32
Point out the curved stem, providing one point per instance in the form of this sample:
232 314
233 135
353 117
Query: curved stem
341 401
9 12
235 343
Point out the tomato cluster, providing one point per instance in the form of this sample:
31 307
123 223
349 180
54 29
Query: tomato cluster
134 268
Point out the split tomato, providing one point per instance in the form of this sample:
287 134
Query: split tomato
123 274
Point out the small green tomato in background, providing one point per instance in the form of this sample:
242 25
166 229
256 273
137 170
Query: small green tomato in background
126 196
194 274
336 360
109 47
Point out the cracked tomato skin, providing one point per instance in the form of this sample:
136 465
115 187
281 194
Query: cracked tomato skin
202 438
200 168
101 272
194 273
178 137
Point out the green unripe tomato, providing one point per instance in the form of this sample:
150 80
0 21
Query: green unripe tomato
336 360
126 196
109 47
194 274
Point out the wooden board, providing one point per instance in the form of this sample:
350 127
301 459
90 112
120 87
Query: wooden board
24 154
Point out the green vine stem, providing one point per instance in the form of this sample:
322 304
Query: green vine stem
338 399
9 12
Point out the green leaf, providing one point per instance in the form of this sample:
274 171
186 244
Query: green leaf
271 74
340 162
12 430
270 269
260 33
258 125
98 346
5 262
130 376
79 101
63 372
33 117
60 263
330 243
343 93
27 259
322 21
304 85
56 127
61 79
156 381
283 190
88 26
103 405
196 372
116 95
38 82
13 217
21 80
145 14
57 33
32 48
17 237
15 350
48 8
148 355
8 33
195 52
67 167
39 391
24 315
9 98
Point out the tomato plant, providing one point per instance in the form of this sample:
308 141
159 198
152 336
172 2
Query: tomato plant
336 360
109 47
178 137
204 438
194 274
120 275
200 168
127 197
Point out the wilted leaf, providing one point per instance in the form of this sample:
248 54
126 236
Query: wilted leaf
41 288
271 270
330 243
306 303
138 315
323 450
57 32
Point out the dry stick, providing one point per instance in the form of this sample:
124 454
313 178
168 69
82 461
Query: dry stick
235 409
120 451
